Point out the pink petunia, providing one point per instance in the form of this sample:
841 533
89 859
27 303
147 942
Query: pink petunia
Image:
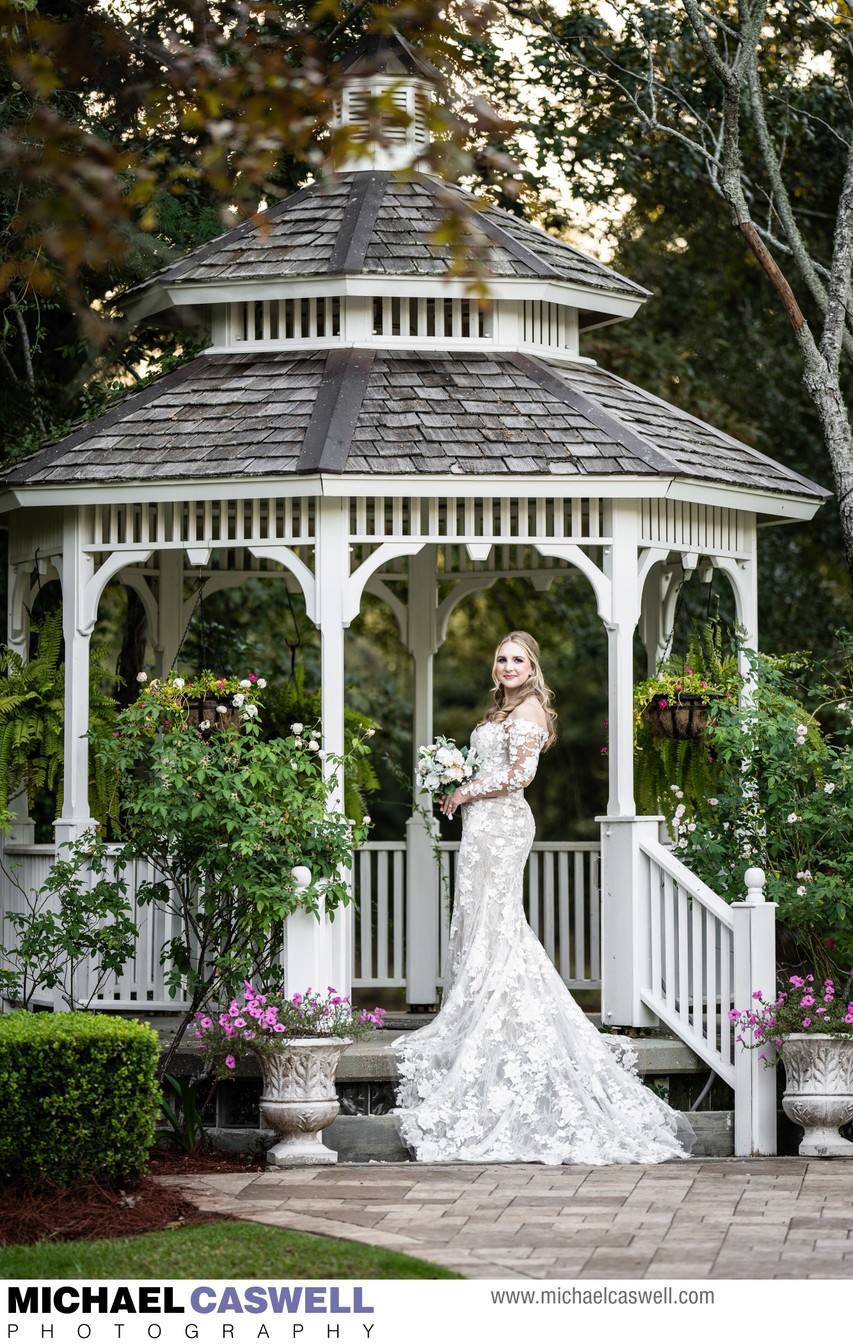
807 1021
230 1062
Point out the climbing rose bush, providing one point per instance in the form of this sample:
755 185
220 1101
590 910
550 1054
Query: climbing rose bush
782 800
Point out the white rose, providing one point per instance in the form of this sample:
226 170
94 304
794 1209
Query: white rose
245 684
365 821
829 788
370 732
296 728
204 725
179 683
443 756
142 676
313 746
261 683
222 709
251 711
237 700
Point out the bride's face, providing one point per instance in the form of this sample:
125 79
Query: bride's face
512 665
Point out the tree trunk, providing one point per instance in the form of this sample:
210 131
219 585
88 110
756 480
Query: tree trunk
132 656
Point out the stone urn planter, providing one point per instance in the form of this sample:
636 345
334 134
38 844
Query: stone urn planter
819 1091
299 1098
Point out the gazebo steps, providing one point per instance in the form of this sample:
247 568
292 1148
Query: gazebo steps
366 1130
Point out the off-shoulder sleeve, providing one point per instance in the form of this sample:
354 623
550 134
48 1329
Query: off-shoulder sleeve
524 741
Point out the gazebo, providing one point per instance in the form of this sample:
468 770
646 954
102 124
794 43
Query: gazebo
362 421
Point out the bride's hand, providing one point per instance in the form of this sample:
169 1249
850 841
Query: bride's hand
450 802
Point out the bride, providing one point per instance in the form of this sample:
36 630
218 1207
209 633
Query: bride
511 1070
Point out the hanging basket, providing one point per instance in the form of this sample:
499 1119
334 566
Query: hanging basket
684 719
206 709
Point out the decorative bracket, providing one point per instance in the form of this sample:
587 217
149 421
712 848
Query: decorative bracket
288 559
379 588
574 555
389 550
94 586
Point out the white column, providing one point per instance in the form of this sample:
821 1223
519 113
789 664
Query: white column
754 943
620 567
19 598
170 610
76 570
323 947
623 928
422 876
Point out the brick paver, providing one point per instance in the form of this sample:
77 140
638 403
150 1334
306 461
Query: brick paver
726 1218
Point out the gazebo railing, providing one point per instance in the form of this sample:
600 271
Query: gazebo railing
562 899
700 959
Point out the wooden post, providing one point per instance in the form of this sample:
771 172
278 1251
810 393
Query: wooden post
170 610
624 920
76 569
754 969
333 940
422 876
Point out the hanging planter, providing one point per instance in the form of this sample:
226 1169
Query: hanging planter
683 717
205 702
210 713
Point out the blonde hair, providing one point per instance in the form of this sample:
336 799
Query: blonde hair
503 702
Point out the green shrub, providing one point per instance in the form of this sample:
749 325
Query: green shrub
78 1097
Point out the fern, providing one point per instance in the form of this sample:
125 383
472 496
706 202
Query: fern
32 719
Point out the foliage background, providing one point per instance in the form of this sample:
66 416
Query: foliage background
711 339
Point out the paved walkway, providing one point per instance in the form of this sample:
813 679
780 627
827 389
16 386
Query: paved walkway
724 1218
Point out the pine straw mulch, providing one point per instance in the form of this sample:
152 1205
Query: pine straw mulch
92 1212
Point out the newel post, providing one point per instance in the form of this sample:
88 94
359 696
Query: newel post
754 969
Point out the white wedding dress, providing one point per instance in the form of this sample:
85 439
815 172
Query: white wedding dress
511 1070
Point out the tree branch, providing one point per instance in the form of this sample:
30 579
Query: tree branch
834 332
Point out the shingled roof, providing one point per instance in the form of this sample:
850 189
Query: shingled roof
375 223
402 413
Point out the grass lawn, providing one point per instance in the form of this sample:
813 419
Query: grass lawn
214 1251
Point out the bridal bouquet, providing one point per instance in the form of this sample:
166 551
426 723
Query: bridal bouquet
442 766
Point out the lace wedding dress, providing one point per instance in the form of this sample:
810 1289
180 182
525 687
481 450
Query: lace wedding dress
511 1070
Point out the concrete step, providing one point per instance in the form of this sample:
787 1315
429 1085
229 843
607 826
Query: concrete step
376 1138
373 1061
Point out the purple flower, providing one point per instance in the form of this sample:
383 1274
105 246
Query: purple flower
807 1021
756 993
230 1062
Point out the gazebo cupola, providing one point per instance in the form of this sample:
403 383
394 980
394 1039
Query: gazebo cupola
387 88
